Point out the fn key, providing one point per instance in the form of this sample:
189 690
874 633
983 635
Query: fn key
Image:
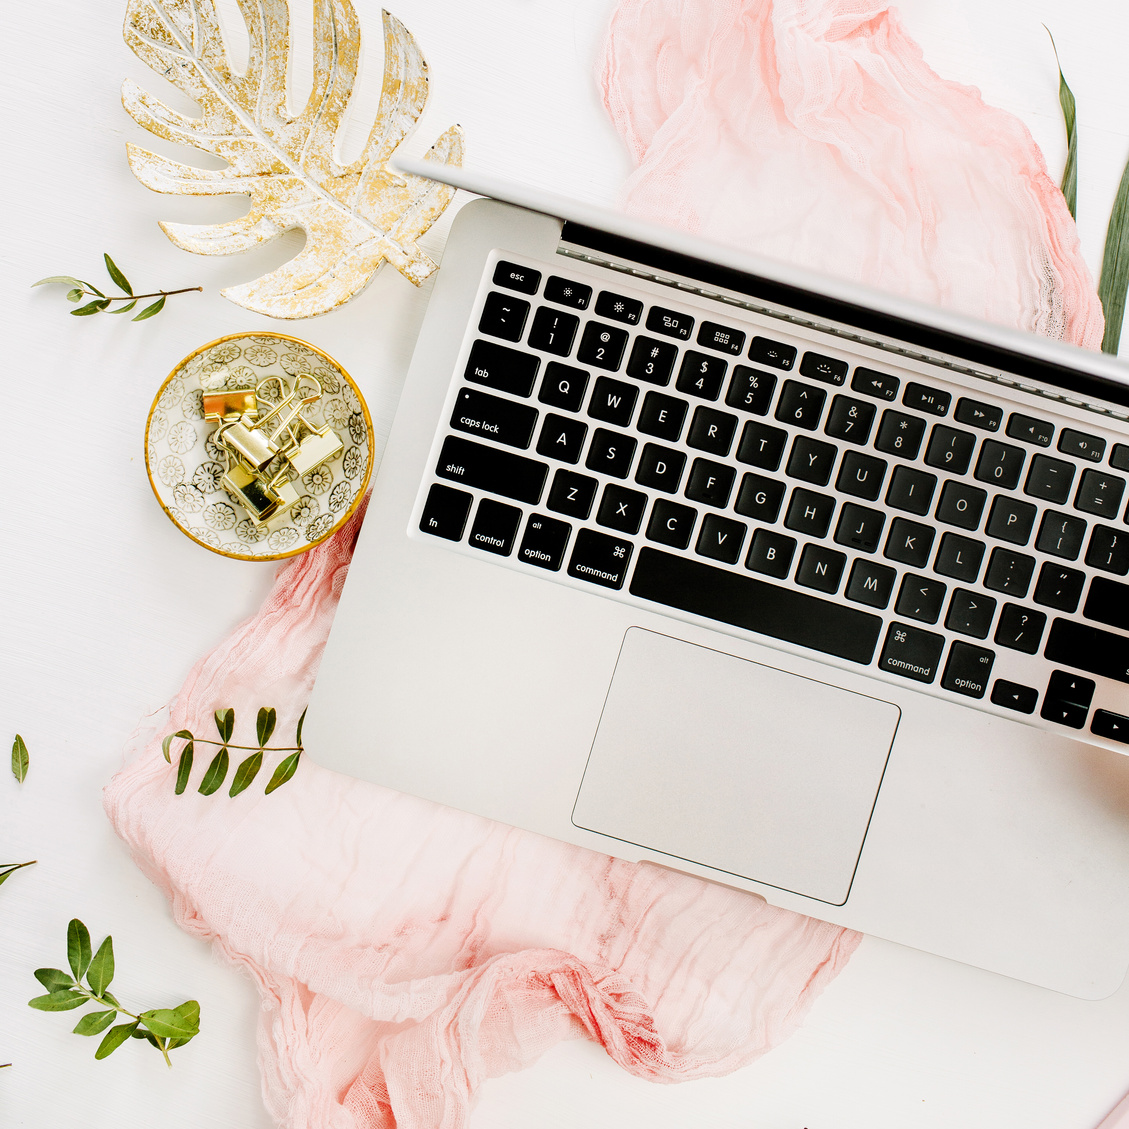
445 513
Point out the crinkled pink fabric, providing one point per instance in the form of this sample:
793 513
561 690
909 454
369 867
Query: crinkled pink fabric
404 952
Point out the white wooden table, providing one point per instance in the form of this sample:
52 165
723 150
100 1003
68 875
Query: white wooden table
105 605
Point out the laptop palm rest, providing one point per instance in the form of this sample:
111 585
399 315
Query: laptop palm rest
737 766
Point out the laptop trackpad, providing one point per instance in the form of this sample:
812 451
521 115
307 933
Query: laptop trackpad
737 766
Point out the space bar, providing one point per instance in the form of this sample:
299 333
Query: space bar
756 606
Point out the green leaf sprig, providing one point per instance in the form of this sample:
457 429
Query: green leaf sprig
248 769
20 759
9 868
164 1028
77 290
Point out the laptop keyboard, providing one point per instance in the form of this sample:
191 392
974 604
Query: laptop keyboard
930 532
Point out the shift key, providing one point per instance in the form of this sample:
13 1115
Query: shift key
486 468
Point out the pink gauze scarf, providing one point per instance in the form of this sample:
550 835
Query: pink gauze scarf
405 952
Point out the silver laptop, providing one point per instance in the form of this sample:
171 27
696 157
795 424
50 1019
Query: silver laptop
685 556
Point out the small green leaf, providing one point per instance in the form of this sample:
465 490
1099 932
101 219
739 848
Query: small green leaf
184 769
53 979
152 310
74 295
172 737
58 1001
301 722
19 759
114 1039
217 770
264 725
246 773
126 308
95 1023
1114 278
91 287
7 869
189 1011
110 998
168 1024
78 948
95 307
101 970
1070 120
285 770
62 279
225 723
120 280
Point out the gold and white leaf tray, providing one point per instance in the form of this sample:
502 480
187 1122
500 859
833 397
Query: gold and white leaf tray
185 466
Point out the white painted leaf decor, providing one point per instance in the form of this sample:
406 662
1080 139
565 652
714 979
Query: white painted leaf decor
354 216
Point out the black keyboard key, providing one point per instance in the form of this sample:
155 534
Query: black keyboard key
721 337
701 375
1081 445
968 669
860 528
870 583
495 527
565 292
959 557
503 316
501 420
1089 649
1099 494
618 308
800 405
669 323
621 509
544 541
1020 629
651 360
1049 479
710 483
563 387
772 353
1119 456
662 416
909 542
751 390
961 505
850 419
1011 520
1109 550
975 414
743 601
523 279
611 453
712 431
506 370
720 538
860 475
1112 726
553 331
809 513
828 369
1059 588
821 568
660 468
1000 464
950 449
880 385
602 346
920 598
1013 696
562 438
600 558
1009 572
613 401
970 613
1065 713
911 652
762 446
899 434
1060 535
492 470
572 494
445 512
811 461
759 498
771 553
1107 602
911 490
1028 429
671 523
921 398
1067 687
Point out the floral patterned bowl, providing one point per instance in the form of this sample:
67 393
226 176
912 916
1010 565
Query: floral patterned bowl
185 466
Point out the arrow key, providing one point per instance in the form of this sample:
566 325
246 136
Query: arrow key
1067 687
1012 696
1111 725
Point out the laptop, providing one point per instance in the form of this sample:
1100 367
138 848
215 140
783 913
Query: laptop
690 557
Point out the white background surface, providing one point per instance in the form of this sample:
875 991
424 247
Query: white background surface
104 605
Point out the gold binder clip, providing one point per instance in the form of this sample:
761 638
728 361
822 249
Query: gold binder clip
263 499
247 442
295 401
229 404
